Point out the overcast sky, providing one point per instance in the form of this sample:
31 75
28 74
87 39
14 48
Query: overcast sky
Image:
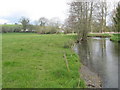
12 10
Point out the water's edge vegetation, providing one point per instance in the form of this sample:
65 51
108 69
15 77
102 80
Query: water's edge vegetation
113 37
31 60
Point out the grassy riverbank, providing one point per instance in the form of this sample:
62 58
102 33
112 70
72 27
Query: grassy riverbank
99 35
36 61
115 37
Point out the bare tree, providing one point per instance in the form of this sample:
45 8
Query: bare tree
101 14
55 22
90 17
43 21
81 14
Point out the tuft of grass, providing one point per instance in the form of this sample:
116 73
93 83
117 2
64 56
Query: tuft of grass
36 61
11 63
68 44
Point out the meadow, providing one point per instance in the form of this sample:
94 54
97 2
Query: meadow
37 61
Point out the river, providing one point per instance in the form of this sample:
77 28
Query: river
101 55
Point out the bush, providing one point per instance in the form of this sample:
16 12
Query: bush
47 30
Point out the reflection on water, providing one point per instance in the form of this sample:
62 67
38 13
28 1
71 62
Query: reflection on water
101 56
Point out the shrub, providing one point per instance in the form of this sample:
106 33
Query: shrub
47 30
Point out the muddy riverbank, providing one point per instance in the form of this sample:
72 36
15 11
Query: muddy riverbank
92 80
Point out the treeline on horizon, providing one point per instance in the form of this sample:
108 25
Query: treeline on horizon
17 28
42 26
46 29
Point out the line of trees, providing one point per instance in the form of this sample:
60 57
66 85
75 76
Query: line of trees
6 28
87 16
41 26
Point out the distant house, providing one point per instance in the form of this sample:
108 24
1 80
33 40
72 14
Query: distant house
25 30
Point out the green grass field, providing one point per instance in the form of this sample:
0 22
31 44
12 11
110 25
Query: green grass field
36 61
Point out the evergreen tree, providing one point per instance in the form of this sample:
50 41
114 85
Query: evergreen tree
117 18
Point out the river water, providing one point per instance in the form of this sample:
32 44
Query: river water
101 55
